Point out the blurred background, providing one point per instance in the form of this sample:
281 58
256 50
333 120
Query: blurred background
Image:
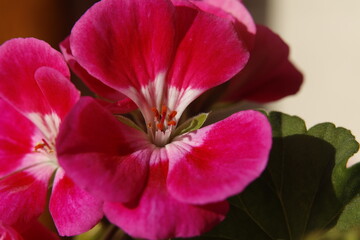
324 36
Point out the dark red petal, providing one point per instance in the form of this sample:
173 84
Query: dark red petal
269 74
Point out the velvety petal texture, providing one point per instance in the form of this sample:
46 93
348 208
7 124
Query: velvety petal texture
74 210
16 141
19 61
158 215
94 84
186 181
23 195
122 42
124 48
230 153
8 233
100 152
35 81
235 11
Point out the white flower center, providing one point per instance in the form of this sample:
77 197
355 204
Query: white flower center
161 125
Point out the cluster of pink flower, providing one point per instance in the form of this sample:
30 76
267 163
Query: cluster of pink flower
156 56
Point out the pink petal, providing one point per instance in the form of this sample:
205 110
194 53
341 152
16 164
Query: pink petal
125 43
125 105
16 133
94 84
23 195
74 211
219 160
8 233
210 54
285 80
59 92
98 153
269 74
235 11
160 216
19 60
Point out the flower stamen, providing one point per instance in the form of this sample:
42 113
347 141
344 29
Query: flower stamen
43 146
163 120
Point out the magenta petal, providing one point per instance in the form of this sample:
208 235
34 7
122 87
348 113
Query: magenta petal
269 74
235 11
125 43
15 139
125 105
160 216
74 211
199 62
94 84
23 195
8 233
19 60
59 92
285 80
219 160
98 152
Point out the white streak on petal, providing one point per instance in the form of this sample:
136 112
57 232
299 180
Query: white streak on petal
48 124
183 144
179 99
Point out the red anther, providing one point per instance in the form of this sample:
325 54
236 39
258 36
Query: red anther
39 146
149 125
160 126
163 113
171 123
156 113
172 115
163 110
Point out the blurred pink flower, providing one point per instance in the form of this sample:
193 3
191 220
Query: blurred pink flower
35 95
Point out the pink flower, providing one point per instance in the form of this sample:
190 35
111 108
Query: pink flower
35 95
157 184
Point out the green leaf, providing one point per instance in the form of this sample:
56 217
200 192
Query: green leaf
305 187
128 122
191 124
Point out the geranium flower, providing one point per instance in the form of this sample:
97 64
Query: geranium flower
35 95
157 183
